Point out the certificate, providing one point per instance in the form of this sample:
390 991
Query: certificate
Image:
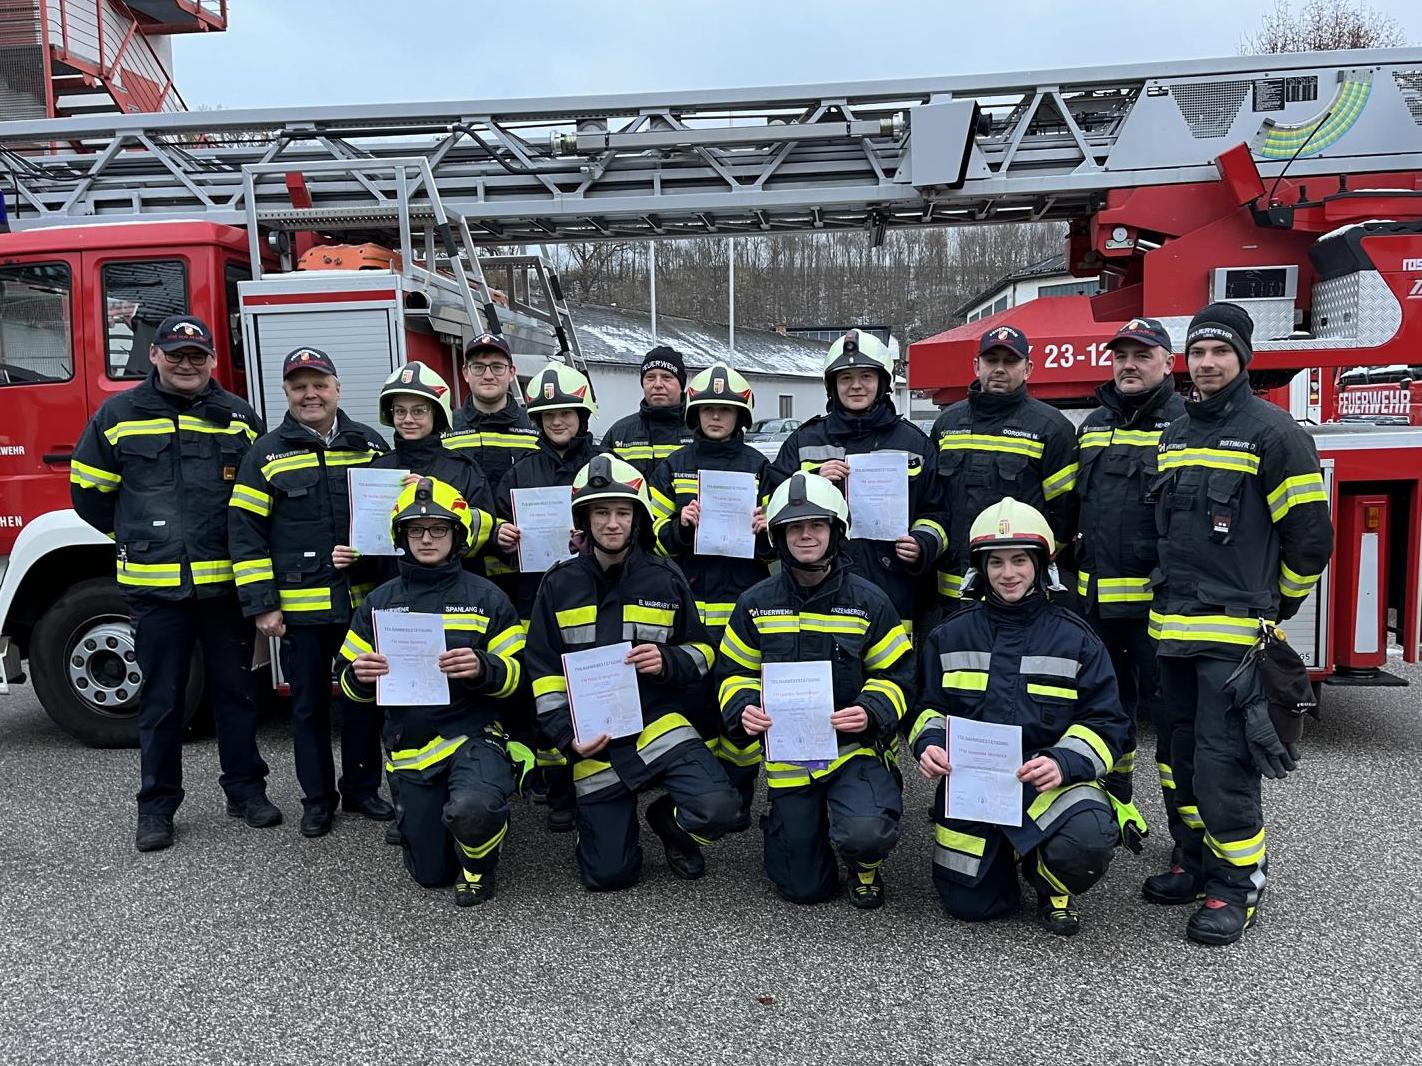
412 644
373 494
878 495
544 517
983 786
602 693
799 699
727 511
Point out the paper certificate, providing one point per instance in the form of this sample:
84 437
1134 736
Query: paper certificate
412 644
983 786
544 517
799 699
373 494
602 693
727 510
878 495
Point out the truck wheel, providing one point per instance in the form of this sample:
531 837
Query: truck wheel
86 674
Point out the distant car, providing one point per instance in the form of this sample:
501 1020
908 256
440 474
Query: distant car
772 429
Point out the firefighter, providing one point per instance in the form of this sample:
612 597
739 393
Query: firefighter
491 426
1002 442
1016 658
619 591
656 429
1244 536
861 418
1115 548
719 407
454 763
819 609
290 508
560 402
153 470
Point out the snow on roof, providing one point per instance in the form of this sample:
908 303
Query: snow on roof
617 335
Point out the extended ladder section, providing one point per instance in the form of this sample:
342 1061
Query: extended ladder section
1006 147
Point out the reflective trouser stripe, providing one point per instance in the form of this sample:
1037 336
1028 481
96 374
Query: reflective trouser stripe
1167 776
1190 816
479 851
550 757
793 775
1246 852
1051 806
750 755
591 776
662 736
437 750
957 851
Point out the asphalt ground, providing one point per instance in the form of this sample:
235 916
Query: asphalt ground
248 946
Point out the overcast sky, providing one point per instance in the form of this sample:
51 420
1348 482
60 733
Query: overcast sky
286 53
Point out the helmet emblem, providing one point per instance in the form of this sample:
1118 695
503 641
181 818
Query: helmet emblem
718 386
407 375
548 390
1004 528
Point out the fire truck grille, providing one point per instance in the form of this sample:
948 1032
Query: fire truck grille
1209 107
1409 83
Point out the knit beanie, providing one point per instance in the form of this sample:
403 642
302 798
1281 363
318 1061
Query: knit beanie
1224 322
665 358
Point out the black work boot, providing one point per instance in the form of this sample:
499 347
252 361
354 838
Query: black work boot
375 807
257 811
155 832
1056 915
1219 922
392 832
1173 887
683 855
473 889
866 887
316 822
561 820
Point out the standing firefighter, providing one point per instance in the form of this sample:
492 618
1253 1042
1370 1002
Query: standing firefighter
655 430
289 510
1001 442
861 418
1244 537
719 407
1116 549
815 610
560 402
1018 659
453 762
492 426
154 471
618 592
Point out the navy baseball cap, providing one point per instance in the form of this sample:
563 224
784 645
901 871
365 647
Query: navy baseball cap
1009 337
307 359
488 342
183 331
1147 331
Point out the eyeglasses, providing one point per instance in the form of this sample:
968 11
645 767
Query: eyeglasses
493 370
418 411
432 532
191 356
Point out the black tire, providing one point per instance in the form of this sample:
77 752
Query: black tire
96 702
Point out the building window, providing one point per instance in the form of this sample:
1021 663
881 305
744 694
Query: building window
1000 304
34 324
139 294
787 405
1071 288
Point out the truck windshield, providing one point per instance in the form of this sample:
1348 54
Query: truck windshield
35 340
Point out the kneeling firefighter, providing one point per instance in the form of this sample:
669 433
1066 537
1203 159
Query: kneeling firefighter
1016 658
451 766
818 609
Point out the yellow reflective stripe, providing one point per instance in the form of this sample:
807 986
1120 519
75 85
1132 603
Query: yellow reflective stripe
929 719
662 506
1123 590
792 775
250 499
1210 459
346 457
633 452
1190 815
950 585
577 616
139 427
1064 480
1167 775
92 477
513 677
1295 492
542 686
1137 438
213 572
150 575
889 650
1247 852
252 570
991 442
964 842
928 525
657 616
748 756
421 758
350 693
890 691
1126 764
777 623
738 651
466 623
1212 628
1034 689
305 599
510 641
479 851
300 461
360 591
966 680
1083 583
1094 438
354 645
714 615
193 424
1292 583
814 622
736 683
1094 741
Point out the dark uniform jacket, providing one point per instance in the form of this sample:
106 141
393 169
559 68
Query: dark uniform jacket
844 620
1243 520
429 457
154 471
543 468
991 446
1116 550
289 508
644 600
716 580
476 615
647 436
1032 664
495 439
837 435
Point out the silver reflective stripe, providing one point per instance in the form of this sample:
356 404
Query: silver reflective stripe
1072 797
699 658
956 861
550 703
774 774
967 660
646 631
671 738
818 453
1081 747
579 634
595 783
1053 665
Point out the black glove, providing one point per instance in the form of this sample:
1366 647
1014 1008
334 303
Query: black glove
1272 757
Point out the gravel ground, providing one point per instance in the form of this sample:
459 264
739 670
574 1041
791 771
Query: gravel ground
246 946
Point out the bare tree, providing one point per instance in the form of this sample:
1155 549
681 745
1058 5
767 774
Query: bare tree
1323 26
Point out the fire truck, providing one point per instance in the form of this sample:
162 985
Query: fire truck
1386 395
1288 182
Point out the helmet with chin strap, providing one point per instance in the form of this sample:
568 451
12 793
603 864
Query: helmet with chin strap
431 498
1008 523
803 497
719 385
859 349
418 380
606 477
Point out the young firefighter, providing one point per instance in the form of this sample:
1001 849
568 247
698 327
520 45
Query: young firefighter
816 609
1016 658
454 763
618 591
719 407
560 404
